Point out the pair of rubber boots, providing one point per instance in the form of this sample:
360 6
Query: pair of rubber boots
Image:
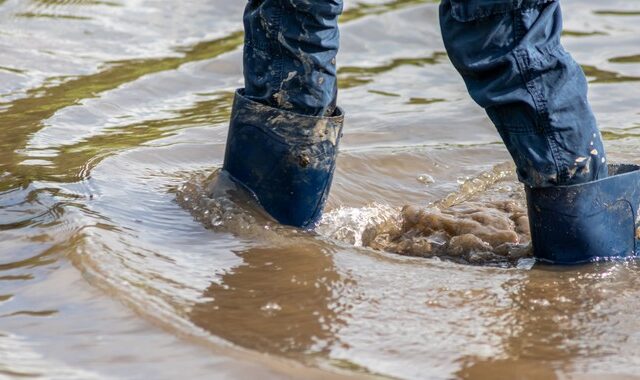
286 160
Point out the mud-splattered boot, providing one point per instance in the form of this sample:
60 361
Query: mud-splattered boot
285 159
587 222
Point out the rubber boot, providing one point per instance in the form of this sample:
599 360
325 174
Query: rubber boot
586 222
285 159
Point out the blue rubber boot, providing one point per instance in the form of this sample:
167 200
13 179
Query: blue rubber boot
284 158
586 222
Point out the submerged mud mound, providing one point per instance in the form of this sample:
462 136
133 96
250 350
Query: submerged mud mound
484 223
473 232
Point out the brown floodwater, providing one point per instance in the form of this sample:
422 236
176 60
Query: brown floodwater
124 253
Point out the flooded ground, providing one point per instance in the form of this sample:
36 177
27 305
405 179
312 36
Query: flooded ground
114 263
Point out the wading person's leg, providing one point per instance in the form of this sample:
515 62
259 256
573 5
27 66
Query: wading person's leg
285 125
510 57
515 68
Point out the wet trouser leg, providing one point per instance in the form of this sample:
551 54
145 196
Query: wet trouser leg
290 54
510 57
285 125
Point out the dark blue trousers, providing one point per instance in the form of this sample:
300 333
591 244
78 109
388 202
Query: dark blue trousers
507 51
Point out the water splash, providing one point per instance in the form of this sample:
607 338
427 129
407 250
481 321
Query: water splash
218 203
483 223
355 226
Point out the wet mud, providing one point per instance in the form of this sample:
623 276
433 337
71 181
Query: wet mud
482 233
483 223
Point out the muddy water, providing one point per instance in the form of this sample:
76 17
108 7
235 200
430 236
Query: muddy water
114 265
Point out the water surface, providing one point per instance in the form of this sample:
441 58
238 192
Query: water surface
112 116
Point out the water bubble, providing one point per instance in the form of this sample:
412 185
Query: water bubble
216 221
426 179
526 263
271 307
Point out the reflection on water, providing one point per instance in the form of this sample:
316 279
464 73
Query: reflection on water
554 309
350 76
119 251
282 300
626 59
597 75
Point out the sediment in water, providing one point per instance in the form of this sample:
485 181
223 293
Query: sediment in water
483 223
